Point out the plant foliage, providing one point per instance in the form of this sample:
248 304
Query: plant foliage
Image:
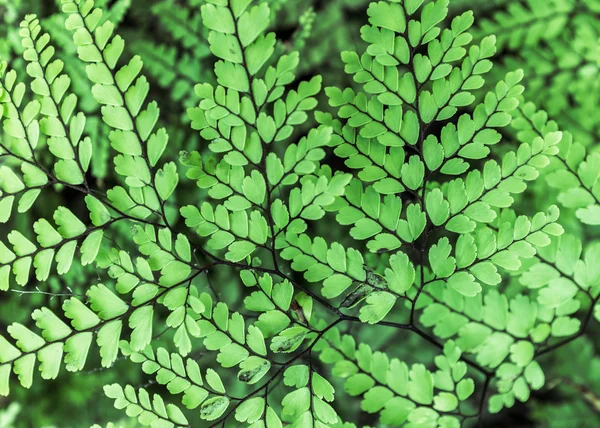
255 257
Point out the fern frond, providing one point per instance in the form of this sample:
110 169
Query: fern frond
526 23
183 25
102 316
62 124
397 392
122 92
178 73
183 378
148 413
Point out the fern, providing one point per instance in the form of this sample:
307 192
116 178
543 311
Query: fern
556 46
183 24
180 74
422 231
526 23
148 412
